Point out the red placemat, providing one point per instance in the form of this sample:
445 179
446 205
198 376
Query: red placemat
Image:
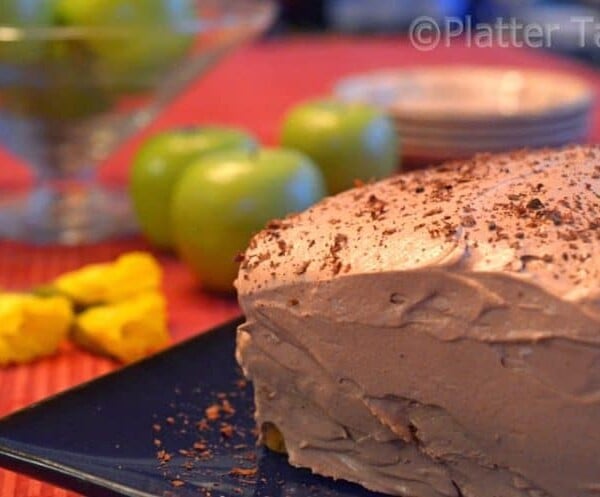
251 89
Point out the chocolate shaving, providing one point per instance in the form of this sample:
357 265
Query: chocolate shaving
213 412
376 207
433 212
278 224
555 216
468 221
535 204
227 430
303 268
243 472
283 248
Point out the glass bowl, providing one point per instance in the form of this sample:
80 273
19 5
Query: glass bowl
69 96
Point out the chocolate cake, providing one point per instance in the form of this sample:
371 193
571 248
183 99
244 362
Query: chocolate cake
437 333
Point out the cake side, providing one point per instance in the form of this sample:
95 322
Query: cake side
438 333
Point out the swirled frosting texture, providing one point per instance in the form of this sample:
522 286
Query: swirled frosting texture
437 333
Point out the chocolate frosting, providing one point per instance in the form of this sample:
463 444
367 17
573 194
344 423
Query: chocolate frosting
437 333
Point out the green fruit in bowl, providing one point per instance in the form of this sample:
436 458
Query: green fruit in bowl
348 141
134 40
58 103
60 86
24 14
51 75
223 199
161 161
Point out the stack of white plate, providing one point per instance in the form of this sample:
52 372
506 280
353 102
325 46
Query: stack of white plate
454 112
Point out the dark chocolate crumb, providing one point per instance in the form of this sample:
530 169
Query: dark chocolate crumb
556 217
535 204
227 430
396 298
243 472
468 221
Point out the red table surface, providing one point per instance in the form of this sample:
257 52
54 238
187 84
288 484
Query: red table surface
252 89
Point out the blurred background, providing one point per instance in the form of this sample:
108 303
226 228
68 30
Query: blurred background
84 84
396 16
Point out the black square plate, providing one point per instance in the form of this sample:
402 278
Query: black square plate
104 438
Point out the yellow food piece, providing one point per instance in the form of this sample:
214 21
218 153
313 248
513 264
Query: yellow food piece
127 330
31 326
131 274
273 438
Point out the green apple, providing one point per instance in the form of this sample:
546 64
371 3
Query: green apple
159 163
24 14
223 199
143 38
348 141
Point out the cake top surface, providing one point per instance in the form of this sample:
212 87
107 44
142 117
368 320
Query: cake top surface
531 215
